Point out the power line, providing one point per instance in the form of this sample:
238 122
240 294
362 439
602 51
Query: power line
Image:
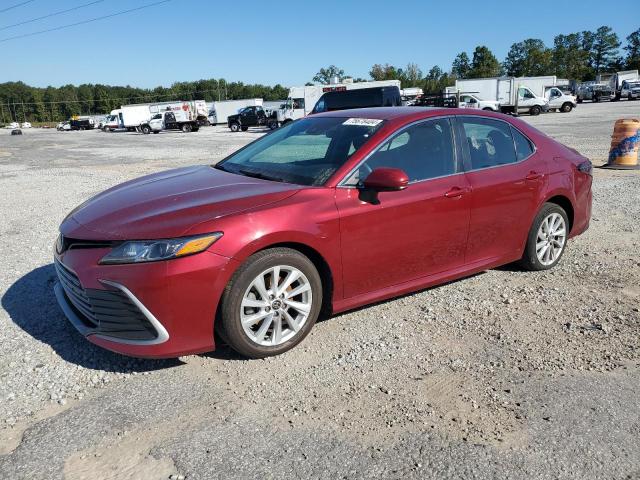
83 22
16 6
51 14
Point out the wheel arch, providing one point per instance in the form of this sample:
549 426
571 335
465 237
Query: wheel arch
566 204
321 264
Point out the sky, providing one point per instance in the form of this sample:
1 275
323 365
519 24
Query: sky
283 42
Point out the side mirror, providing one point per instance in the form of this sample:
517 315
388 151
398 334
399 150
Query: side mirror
386 180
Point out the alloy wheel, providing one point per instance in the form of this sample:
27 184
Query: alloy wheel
551 238
276 305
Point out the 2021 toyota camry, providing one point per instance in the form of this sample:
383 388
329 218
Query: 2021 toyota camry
328 213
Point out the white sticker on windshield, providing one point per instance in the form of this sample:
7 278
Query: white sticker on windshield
364 122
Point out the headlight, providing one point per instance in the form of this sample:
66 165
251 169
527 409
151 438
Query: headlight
154 250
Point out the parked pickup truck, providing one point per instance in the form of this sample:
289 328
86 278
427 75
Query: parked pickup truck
471 101
171 120
253 116
630 90
594 92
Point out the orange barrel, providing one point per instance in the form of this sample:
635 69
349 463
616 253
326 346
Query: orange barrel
624 144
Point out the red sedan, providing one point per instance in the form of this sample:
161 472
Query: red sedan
328 213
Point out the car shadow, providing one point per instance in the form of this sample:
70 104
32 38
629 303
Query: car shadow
31 304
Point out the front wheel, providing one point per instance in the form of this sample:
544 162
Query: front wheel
146 129
547 238
271 303
235 127
566 107
535 110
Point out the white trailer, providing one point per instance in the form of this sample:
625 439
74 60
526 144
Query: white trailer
509 92
302 100
220 111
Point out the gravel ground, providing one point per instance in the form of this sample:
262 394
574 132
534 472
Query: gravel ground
506 374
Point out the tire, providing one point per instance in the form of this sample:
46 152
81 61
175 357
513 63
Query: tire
596 99
244 129
235 127
629 97
156 131
579 100
566 107
146 129
535 110
241 289
273 125
531 259
186 127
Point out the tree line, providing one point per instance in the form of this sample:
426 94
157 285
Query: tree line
577 56
20 102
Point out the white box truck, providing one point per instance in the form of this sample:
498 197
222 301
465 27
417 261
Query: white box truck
507 91
549 87
615 80
220 111
196 108
130 117
302 100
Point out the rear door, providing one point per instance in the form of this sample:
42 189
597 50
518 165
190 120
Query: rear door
507 178
411 233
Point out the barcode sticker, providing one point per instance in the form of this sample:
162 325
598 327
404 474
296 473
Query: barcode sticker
363 122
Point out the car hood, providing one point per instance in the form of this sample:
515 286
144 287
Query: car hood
170 204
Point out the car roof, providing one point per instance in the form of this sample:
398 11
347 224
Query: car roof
403 115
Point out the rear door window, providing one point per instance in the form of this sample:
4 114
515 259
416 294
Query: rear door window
489 141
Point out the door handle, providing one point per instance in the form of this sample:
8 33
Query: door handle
532 175
456 192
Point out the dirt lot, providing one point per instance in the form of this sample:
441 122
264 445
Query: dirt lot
507 374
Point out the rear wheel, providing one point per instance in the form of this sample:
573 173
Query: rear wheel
535 110
271 303
186 127
244 129
547 238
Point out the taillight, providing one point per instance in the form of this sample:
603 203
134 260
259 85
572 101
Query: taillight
586 167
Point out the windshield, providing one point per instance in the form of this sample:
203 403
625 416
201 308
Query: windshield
305 152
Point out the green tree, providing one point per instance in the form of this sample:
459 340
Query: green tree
325 75
570 59
632 59
385 72
602 45
411 76
484 64
528 58
461 65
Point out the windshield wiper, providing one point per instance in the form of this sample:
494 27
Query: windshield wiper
263 176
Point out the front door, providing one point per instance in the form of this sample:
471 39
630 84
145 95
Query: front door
411 233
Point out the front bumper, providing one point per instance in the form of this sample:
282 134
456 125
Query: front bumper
153 310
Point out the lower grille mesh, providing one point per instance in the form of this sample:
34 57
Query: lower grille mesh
109 312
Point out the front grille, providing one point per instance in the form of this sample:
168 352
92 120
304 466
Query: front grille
108 312
76 294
